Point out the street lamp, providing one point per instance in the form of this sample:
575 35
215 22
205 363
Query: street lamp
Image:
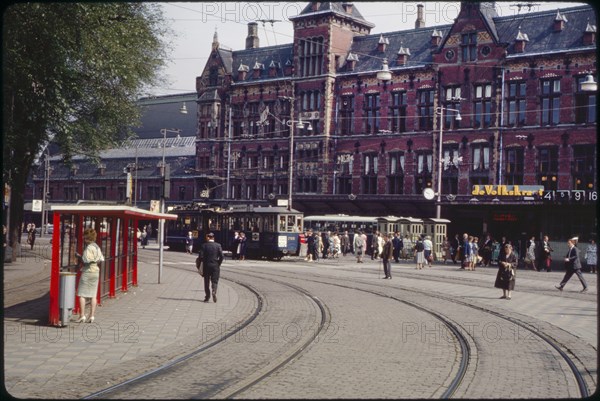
290 123
161 222
440 112
589 85
46 190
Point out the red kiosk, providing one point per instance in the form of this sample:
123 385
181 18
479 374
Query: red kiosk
117 227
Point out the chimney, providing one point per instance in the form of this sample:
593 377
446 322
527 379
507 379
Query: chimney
589 36
347 7
252 38
420 22
402 56
520 41
436 38
242 72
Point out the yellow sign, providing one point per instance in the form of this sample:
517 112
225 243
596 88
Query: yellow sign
507 190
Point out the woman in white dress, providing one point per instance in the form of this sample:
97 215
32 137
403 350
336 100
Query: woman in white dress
90 274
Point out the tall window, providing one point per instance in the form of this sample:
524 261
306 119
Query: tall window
424 168
182 193
481 157
213 76
346 115
344 174
583 170
311 56
585 104
547 174
513 167
398 112
72 193
311 100
452 96
550 101
425 107
480 164
371 113
469 46
369 178
396 173
483 106
516 103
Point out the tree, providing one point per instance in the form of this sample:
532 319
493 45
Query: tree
72 74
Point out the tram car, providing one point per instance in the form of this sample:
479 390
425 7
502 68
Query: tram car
407 227
271 232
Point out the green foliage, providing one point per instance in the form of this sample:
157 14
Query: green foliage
72 74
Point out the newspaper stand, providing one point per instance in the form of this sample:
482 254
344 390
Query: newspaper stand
117 227
437 229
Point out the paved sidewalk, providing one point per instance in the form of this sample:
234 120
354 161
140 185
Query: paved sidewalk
150 324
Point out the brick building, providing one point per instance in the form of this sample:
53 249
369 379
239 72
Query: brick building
363 143
374 144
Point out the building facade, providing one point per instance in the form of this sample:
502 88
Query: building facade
320 117
373 145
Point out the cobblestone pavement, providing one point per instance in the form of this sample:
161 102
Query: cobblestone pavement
370 348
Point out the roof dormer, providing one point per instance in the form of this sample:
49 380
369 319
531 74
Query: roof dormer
402 56
382 44
520 41
351 61
436 38
273 68
589 35
559 22
257 69
243 72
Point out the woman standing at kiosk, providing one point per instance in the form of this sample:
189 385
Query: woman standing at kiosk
90 274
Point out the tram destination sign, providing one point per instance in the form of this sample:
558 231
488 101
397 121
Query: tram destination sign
507 190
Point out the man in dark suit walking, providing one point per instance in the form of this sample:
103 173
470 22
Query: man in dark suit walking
572 266
211 257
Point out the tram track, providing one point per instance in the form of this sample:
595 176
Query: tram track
240 384
554 344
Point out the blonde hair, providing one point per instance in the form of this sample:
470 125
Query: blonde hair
89 235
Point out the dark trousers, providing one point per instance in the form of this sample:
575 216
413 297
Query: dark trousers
570 271
387 268
211 275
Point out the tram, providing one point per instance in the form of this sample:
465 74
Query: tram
407 227
271 232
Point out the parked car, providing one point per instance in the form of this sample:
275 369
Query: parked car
49 228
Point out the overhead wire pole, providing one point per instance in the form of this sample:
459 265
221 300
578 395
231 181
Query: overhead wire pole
291 162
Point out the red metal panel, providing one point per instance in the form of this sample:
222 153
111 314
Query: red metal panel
79 234
125 256
113 273
54 312
135 253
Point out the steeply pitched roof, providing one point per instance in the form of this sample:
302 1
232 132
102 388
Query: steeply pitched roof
264 56
539 28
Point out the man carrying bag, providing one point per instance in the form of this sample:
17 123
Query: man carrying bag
208 263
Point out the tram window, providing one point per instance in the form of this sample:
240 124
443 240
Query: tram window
281 223
299 225
269 223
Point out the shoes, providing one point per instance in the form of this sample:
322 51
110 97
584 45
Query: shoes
206 299
390 277
558 287
584 290
82 319
508 298
503 297
91 320
214 294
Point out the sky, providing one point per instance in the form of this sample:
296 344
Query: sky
193 25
